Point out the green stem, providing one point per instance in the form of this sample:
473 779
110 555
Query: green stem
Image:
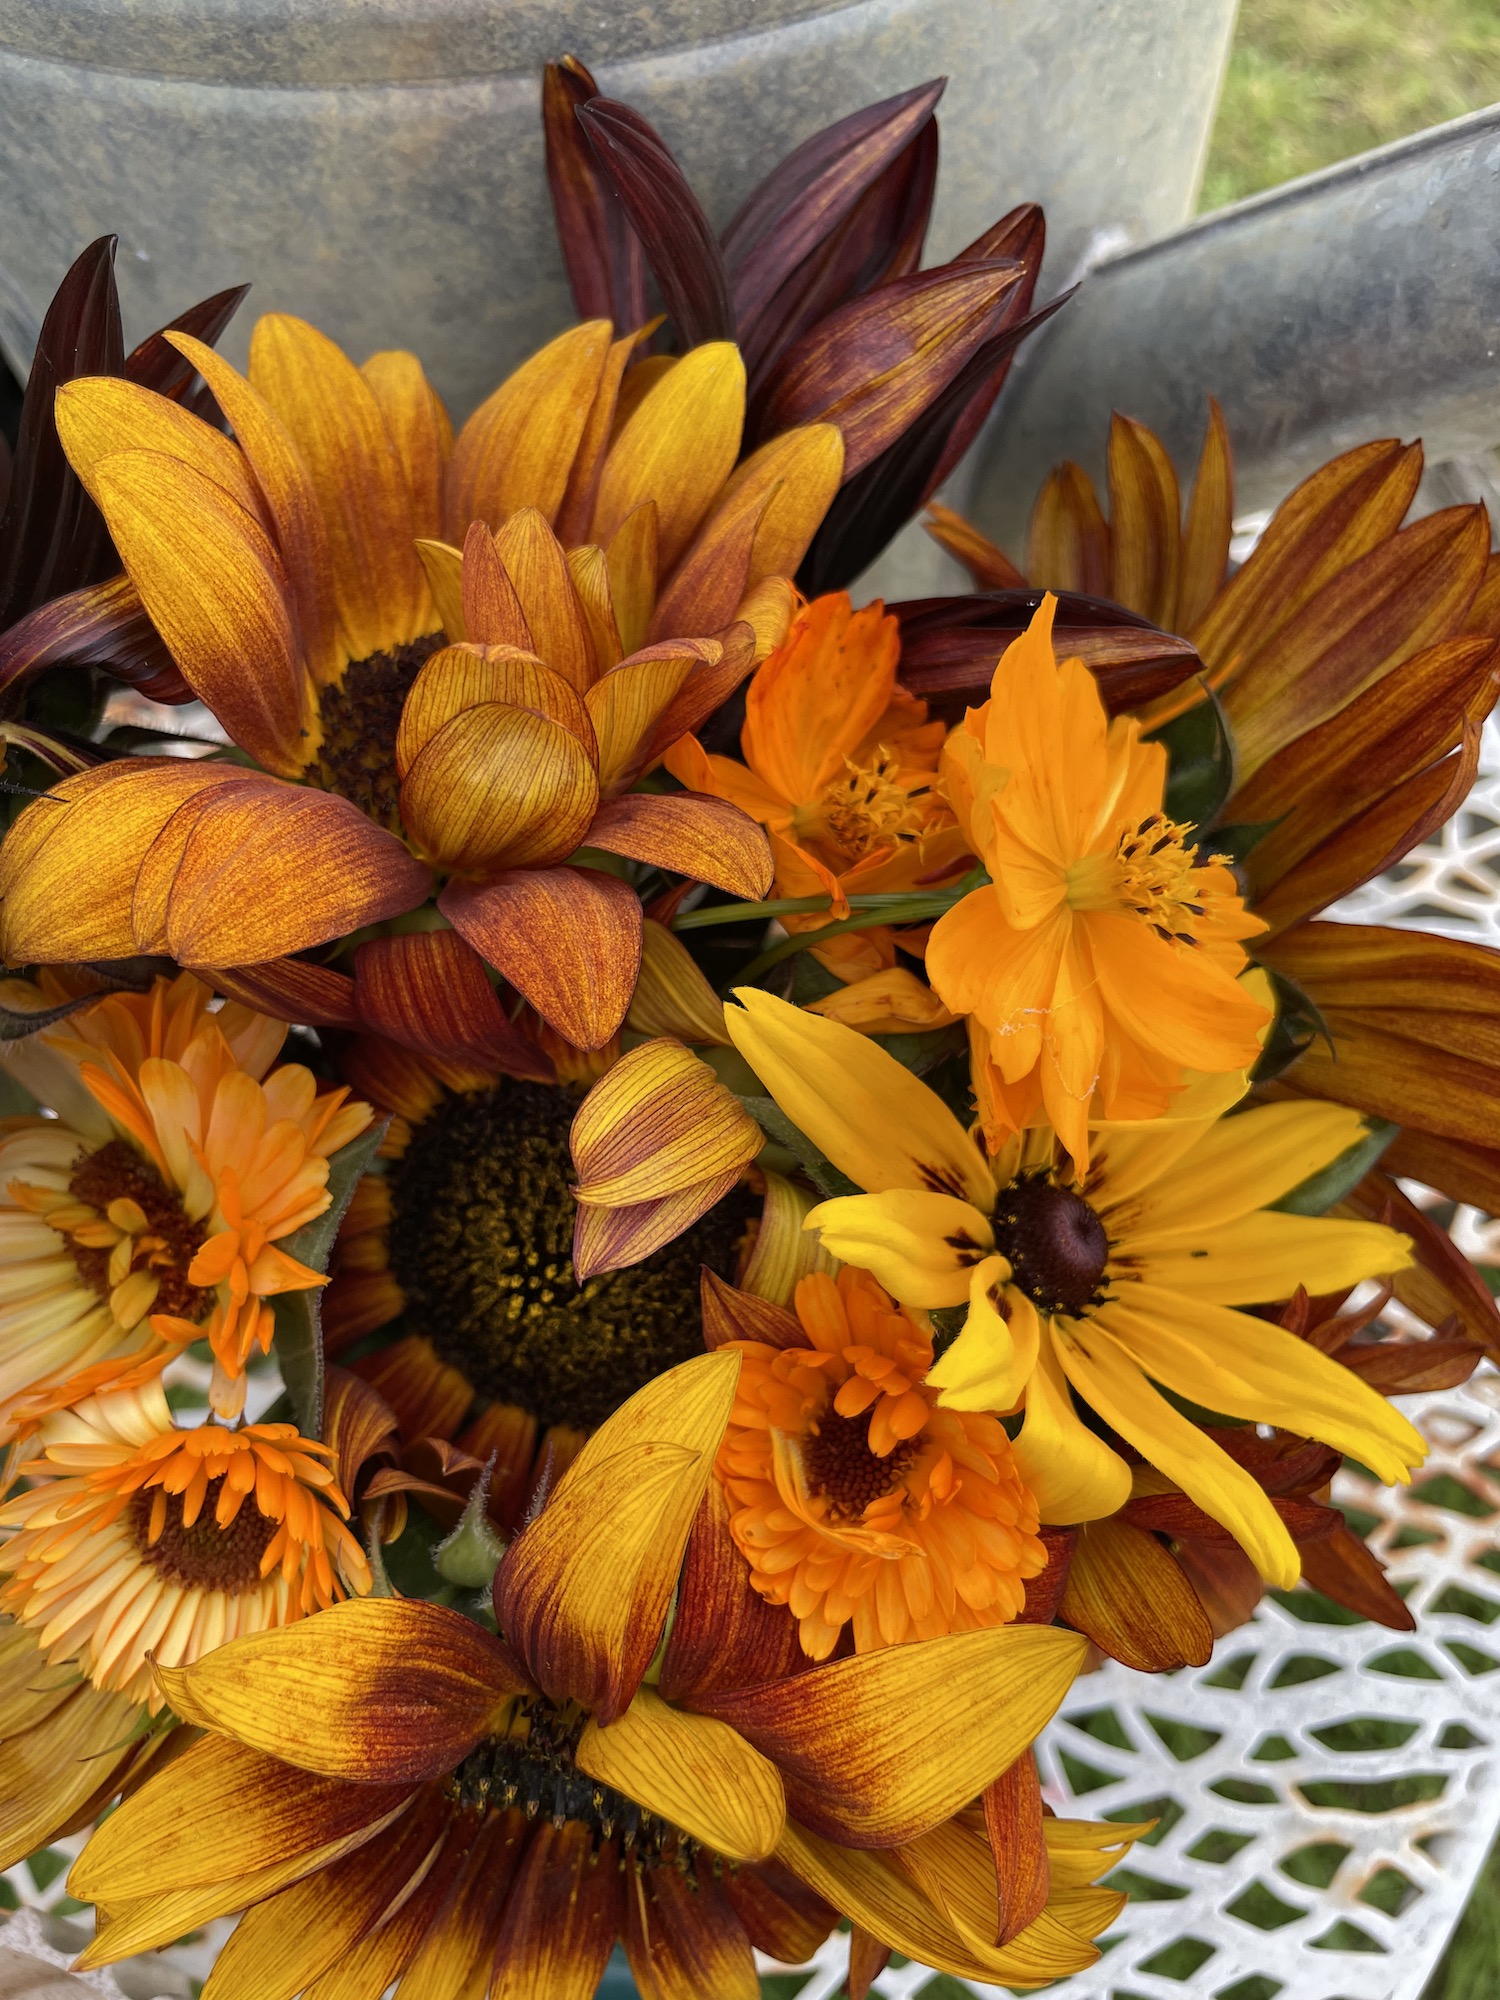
906 910
786 906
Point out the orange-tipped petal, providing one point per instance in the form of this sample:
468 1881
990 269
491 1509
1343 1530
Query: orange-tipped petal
461 677
538 570
492 611
381 1690
499 787
628 702
429 992
583 1591
708 839
419 429
677 448
517 449
567 939
271 869
884 1746
656 1123
102 415
612 1239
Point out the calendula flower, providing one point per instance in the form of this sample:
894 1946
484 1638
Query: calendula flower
388 1789
282 568
134 1537
853 1497
493 1248
839 767
149 1211
1354 661
1103 955
1102 1283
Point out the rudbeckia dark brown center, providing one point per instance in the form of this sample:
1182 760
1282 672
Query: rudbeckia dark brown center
1055 1243
841 1466
165 1246
482 1246
533 1771
203 1556
360 716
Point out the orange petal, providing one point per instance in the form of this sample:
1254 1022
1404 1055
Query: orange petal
419 430
499 787
577 509
461 677
379 585
270 869
517 449
583 1592
627 703
292 989
102 415
1128 1595
1145 523
678 448
492 613
882 1747
631 560
217 592
381 1690
538 570
708 839
429 992
567 939
1013 1820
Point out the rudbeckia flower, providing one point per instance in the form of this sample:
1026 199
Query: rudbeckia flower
147 1213
282 568
388 1790
1103 1283
852 1496
839 767
135 1538
1103 955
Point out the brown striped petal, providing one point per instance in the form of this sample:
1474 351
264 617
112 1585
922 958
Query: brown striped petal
883 1747
517 449
725 1635
492 613
589 568
781 1917
564 1909
739 647
631 561
626 704
293 989
989 567
464 677
690 834
380 1690
683 1939
1128 1595
538 570
567 939
690 1771
429 992
677 448
499 787
269 869
288 500
68 871
731 1314
1464 1172
218 593
1210 520
1442 1286
672 997
1067 541
379 584
605 264
657 1122
103 625
1013 1822
583 1591
419 428
611 1239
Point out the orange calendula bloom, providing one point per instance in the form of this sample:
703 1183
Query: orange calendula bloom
149 1212
1102 958
135 1538
839 767
854 1498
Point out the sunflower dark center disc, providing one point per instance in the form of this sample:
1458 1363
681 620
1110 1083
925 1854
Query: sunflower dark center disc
482 1246
841 1466
1055 1244
360 715
117 1172
203 1556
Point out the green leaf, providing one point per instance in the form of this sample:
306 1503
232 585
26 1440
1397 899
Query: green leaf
922 1053
812 980
299 1318
1298 1024
819 1169
1317 1194
1200 762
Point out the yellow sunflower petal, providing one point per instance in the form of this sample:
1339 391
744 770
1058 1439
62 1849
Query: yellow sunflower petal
677 448
1237 1165
1071 1470
924 1248
874 1120
1267 1256
992 1360
517 449
499 787
692 1771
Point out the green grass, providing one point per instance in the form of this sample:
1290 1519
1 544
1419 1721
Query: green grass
1312 81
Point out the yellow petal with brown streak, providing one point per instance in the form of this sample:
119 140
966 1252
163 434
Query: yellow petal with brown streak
499 787
626 704
517 449
102 415
691 1771
462 677
677 449
657 1122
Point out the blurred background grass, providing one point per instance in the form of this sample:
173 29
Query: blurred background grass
1312 81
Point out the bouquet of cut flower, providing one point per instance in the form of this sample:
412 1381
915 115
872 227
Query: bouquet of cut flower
804 1170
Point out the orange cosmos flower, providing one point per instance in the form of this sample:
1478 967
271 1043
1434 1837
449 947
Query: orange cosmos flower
839 768
136 1538
147 1213
1103 956
853 1498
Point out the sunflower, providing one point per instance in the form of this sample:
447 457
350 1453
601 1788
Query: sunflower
390 1791
1354 659
853 1497
146 1213
1103 1281
839 767
528 1263
1103 955
283 570
137 1539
